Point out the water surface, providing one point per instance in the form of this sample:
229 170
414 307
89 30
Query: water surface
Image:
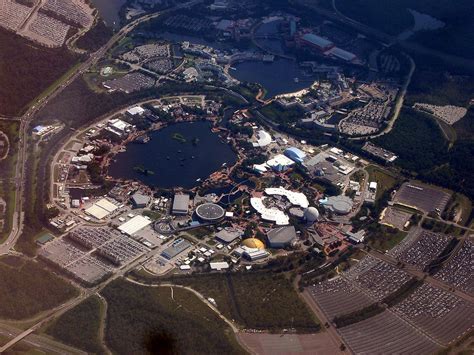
175 163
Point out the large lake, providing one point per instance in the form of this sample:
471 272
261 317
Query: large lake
109 11
175 163
277 77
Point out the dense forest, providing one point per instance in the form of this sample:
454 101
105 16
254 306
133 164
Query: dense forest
27 70
28 289
393 17
162 320
95 38
422 149
86 317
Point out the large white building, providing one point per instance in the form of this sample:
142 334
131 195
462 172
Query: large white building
134 225
119 127
263 139
280 163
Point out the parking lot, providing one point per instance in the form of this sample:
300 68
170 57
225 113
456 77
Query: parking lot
422 197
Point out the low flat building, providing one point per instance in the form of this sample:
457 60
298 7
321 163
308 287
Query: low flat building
134 111
282 237
340 205
139 200
219 266
228 235
280 163
134 225
295 154
254 254
263 139
180 204
177 247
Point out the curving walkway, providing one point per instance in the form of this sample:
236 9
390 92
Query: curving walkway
4 138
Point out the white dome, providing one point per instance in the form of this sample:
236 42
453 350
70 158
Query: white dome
311 214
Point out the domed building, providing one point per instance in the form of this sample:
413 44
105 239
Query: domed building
210 212
311 215
254 243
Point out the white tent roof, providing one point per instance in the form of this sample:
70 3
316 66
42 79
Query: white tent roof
106 205
97 212
134 225
269 214
295 198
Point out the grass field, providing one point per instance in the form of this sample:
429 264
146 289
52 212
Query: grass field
163 321
28 289
251 300
85 317
386 239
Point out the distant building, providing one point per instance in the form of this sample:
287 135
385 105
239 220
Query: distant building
180 204
356 238
119 128
371 193
318 42
340 205
295 154
219 266
177 247
228 235
210 212
280 163
140 200
311 215
134 111
282 237
263 139
342 54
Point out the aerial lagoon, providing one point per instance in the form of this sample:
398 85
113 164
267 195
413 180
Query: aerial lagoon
176 156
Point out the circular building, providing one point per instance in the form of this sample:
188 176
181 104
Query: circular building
210 212
254 243
340 205
296 212
311 215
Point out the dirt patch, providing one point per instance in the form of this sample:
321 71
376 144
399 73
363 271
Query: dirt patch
264 343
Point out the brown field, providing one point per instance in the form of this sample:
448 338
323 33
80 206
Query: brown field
269 344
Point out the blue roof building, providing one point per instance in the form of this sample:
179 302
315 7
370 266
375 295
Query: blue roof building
295 154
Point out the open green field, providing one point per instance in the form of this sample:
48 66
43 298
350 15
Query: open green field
438 226
278 114
386 238
251 300
80 326
7 173
28 289
161 320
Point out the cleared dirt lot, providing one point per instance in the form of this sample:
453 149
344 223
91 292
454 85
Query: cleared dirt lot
263 343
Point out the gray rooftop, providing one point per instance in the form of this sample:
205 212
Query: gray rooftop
282 235
140 199
181 203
